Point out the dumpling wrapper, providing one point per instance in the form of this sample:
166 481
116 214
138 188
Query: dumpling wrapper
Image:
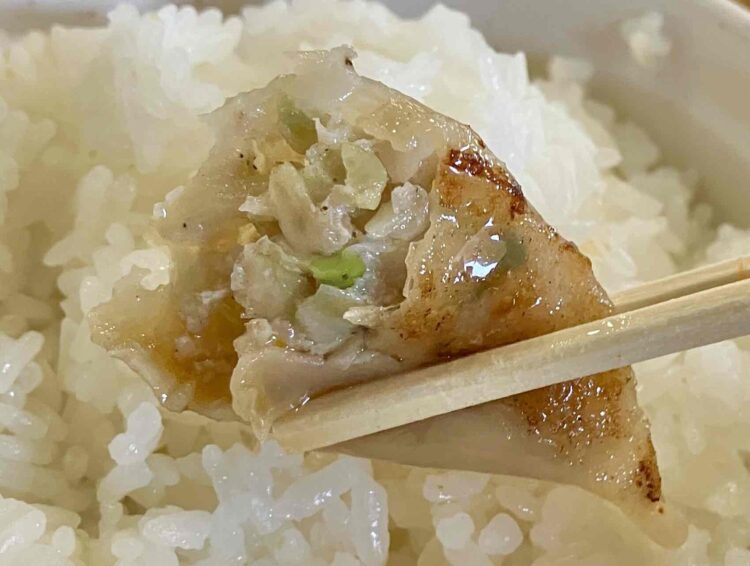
588 432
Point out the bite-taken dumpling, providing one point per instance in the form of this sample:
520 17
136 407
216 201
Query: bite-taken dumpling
341 231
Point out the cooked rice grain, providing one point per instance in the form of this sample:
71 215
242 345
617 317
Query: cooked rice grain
98 125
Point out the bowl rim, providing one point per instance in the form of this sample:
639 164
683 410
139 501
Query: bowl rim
732 11
733 15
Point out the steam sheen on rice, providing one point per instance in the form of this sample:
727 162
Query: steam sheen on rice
99 125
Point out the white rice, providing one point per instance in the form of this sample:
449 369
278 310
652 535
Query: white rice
98 125
646 40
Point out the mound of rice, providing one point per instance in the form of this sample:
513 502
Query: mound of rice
97 125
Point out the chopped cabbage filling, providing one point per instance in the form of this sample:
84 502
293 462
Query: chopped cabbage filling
328 237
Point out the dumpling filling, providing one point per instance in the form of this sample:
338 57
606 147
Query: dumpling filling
341 231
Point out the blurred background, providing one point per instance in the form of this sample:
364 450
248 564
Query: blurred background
21 14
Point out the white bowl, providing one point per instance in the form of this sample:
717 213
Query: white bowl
696 106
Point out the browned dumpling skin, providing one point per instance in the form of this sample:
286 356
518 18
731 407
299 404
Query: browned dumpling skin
589 432
482 270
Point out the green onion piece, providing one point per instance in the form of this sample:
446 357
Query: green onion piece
515 254
338 270
297 127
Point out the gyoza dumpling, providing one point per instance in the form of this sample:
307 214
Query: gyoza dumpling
339 231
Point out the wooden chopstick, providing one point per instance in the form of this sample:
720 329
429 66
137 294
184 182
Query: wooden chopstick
680 284
681 322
